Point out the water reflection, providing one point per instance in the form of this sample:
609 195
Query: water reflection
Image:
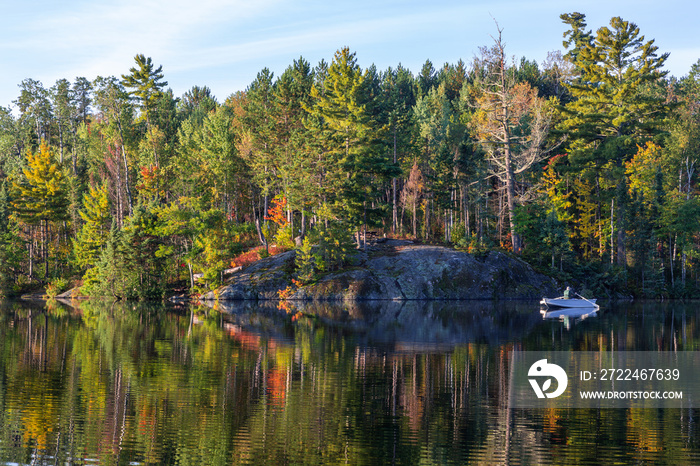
570 317
379 383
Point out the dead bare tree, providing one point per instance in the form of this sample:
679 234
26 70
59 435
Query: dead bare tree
512 124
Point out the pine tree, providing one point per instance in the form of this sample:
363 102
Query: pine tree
259 153
146 82
577 38
36 112
399 97
94 233
611 112
355 164
12 254
296 164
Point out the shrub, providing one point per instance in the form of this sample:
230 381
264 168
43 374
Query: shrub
459 235
56 287
306 262
285 237
323 250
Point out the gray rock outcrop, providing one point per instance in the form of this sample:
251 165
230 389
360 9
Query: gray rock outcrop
396 270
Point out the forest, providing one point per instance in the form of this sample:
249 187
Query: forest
583 165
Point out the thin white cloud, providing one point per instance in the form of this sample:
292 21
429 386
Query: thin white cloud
98 37
295 39
215 41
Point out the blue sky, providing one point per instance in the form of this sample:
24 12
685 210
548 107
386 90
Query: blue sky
224 43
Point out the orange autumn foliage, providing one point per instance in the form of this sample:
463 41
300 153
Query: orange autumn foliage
278 211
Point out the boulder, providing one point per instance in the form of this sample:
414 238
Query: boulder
397 271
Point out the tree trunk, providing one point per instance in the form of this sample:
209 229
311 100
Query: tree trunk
126 178
612 232
670 257
261 235
415 220
510 191
45 248
153 142
684 258
302 233
118 195
30 246
60 142
508 159
393 182
191 274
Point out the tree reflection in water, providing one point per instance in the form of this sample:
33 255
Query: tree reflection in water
389 383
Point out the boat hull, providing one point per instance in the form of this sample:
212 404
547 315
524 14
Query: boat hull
568 303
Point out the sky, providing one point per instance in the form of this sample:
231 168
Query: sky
223 44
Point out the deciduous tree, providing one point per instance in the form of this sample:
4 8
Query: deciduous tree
40 196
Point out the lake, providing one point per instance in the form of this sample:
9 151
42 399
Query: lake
379 383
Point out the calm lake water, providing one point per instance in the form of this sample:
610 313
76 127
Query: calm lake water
410 384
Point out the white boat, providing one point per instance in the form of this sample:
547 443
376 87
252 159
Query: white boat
563 302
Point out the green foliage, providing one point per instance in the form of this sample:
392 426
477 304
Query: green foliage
56 287
325 249
207 159
129 266
354 162
336 247
609 102
183 181
201 239
284 238
94 233
305 262
146 82
42 193
13 256
543 233
459 235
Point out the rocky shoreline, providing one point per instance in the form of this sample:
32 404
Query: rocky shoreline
394 270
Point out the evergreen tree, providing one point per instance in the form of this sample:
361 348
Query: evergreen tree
427 78
12 254
12 143
41 194
147 87
94 233
208 165
576 38
258 127
355 164
129 266
36 111
64 113
398 97
81 91
292 93
197 103
610 113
